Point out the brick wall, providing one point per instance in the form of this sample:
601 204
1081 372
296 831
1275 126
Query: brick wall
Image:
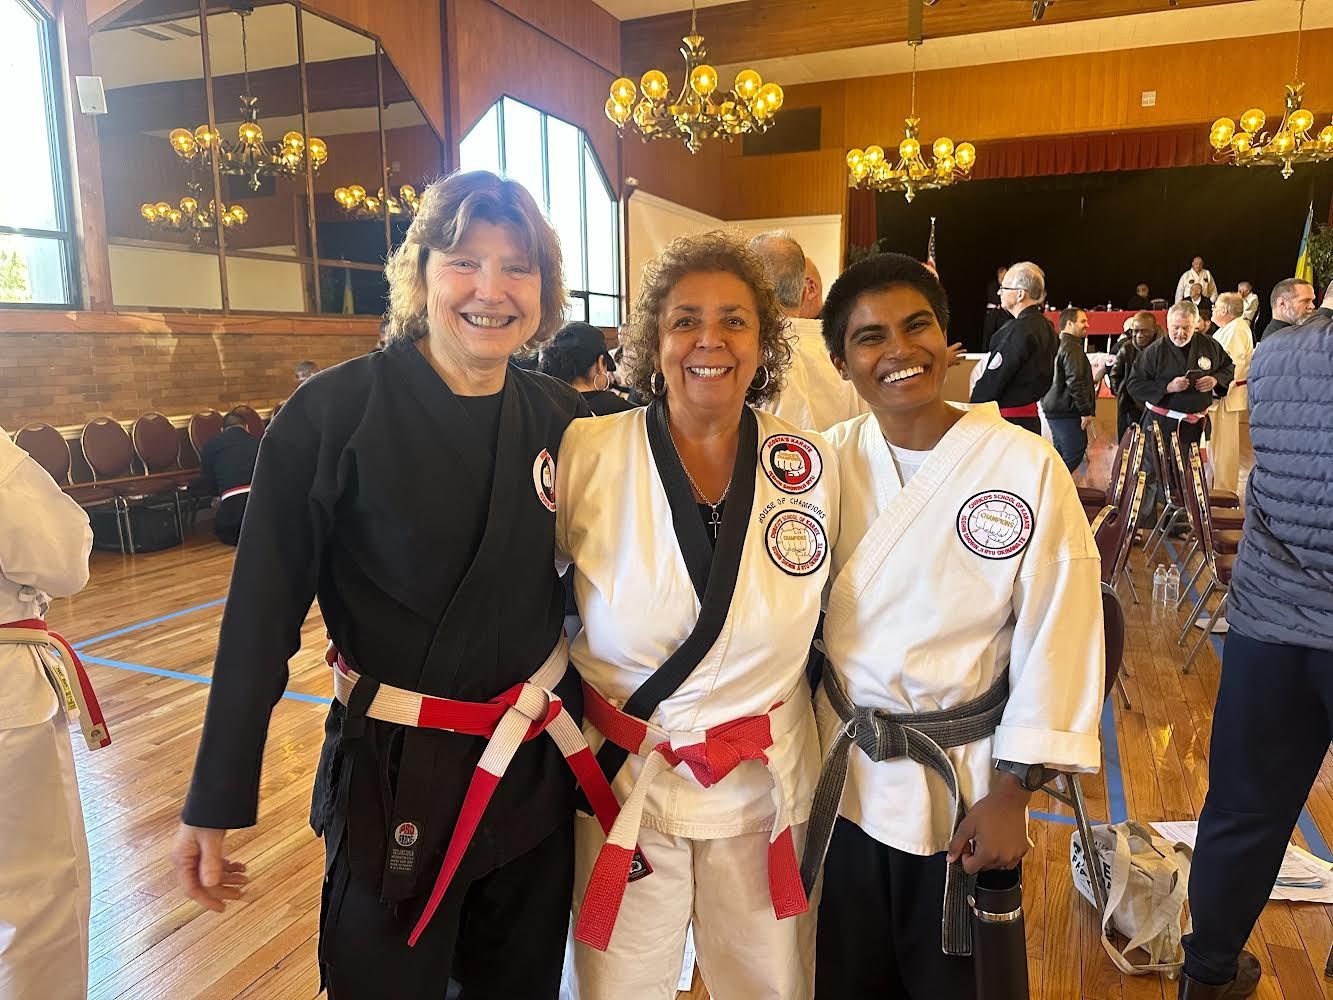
68 378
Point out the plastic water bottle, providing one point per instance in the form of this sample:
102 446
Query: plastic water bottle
1172 589
1158 593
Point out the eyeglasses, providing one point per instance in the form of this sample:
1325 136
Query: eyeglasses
1010 288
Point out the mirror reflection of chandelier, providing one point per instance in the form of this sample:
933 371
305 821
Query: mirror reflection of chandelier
1290 143
356 203
914 171
192 215
699 111
249 156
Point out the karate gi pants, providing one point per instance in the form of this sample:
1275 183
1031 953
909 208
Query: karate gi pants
1224 447
721 885
1271 729
45 877
501 935
879 925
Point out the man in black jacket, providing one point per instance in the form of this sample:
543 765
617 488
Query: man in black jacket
226 466
1071 402
1021 364
1142 332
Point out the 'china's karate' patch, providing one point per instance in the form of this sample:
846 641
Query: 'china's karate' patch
796 542
791 463
543 479
995 524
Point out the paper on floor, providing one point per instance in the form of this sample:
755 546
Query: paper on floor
1298 865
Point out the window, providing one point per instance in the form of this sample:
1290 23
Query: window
555 162
34 228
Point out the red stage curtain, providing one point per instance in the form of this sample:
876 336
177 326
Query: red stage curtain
862 224
1185 146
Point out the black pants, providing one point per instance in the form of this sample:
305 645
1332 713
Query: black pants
1124 417
501 937
1070 439
879 925
227 519
1271 729
1032 424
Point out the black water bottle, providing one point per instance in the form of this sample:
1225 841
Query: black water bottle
999 947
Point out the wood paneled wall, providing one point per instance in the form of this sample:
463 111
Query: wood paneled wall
579 24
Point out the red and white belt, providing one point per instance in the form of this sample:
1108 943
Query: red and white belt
1030 410
77 696
508 720
1239 381
1189 418
710 756
235 491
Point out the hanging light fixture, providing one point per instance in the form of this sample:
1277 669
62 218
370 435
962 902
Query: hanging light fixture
249 156
699 111
914 171
192 215
1291 143
356 203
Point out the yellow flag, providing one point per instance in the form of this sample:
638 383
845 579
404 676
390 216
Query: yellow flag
1303 267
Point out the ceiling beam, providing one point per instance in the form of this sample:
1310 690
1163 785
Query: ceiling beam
768 29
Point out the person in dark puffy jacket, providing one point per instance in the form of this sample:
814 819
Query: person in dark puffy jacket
1071 402
1274 716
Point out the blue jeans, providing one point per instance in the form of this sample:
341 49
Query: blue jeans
1070 439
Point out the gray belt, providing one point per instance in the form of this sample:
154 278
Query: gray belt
919 736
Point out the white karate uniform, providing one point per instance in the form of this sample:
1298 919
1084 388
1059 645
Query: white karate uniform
815 396
1250 308
45 878
1237 339
921 620
708 847
1204 278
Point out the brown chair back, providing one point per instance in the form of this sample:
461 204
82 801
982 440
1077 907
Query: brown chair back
203 426
1200 514
107 448
48 448
1113 620
155 442
1135 489
1104 532
254 423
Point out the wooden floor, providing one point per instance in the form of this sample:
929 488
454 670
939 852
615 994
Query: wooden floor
146 627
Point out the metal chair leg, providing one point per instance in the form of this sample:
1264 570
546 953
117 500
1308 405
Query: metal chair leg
120 528
1199 606
1128 577
1085 835
1207 631
1167 527
1193 580
129 526
1124 694
1151 540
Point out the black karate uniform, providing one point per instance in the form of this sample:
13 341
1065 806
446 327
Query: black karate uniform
1021 365
226 461
1159 363
418 518
1128 411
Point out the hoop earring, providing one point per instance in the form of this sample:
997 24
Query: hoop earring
763 385
652 384
605 387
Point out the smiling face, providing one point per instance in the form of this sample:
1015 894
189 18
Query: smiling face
483 298
1079 328
1144 332
708 330
895 352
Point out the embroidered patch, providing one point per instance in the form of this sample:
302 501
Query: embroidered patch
995 524
792 464
996 360
405 834
543 479
796 542
1205 363
638 867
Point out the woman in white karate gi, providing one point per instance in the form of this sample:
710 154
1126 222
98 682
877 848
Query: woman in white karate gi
700 530
965 592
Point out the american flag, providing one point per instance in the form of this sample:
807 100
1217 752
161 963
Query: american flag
930 250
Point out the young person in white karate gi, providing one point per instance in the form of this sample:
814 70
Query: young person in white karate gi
700 530
45 879
965 592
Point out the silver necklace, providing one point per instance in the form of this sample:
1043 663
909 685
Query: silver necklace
714 518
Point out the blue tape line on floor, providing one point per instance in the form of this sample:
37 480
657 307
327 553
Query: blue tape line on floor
1115 773
1053 818
139 668
1306 823
152 621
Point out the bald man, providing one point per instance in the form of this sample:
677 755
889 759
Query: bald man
815 397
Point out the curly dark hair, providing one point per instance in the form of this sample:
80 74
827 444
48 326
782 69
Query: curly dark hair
704 253
873 274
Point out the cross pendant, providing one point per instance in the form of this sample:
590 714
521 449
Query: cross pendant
714 521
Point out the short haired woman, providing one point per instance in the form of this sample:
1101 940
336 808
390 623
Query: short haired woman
577 355
699 529
412 490
964 612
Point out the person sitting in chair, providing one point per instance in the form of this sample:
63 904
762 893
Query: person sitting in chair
226 466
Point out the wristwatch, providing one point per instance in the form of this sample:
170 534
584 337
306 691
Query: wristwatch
1030 776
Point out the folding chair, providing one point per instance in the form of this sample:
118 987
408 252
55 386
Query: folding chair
1224 517
1218 549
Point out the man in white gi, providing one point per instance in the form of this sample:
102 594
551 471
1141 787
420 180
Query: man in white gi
965 594
1196 273
1237 339
814 397
1249 302
44 871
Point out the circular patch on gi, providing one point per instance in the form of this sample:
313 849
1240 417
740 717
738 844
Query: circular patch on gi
995 524
796 542
1205 363
792 464
996 360
543 479
405 834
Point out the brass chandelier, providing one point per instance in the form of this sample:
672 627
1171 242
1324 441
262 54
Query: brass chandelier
192 215
249 156
913 172
356 203
698 111
1291 143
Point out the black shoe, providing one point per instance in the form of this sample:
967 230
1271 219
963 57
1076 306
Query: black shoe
1245 983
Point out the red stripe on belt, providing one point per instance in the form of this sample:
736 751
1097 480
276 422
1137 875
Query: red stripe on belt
235 491
1030 410
1189 418
78 697
709 760
1239 381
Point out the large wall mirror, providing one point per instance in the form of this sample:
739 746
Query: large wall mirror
256 157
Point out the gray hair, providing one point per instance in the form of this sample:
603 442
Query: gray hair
1029 277
784 260
1231 302
1184 308
1284 289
